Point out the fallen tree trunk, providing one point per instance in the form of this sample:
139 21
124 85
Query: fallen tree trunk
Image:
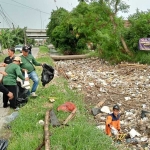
68 57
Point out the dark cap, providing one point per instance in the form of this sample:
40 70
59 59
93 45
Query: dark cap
25 48
116 107
12 49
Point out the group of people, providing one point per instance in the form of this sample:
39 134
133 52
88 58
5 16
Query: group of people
16 66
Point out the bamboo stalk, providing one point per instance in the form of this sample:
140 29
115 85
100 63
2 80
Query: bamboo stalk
46 130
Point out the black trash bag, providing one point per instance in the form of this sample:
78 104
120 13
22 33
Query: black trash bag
22 98
47 74
3 144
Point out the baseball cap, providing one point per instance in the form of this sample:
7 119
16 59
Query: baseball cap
17 58
25 48
116 107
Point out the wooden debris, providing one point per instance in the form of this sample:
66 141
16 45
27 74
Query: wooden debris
132 65
68 57
70 116
100 104
62 73
46 140
41 145
46 130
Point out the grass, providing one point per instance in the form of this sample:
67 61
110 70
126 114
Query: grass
80 134
2 57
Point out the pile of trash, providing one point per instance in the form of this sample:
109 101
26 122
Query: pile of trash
127 85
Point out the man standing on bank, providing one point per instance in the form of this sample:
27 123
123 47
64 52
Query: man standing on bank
9 58
28 62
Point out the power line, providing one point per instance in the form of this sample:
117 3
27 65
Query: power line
9 17
5 17
30 7
25 6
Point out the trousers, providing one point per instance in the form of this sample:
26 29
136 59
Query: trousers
13 89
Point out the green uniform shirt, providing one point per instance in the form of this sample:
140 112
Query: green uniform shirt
28 62
13 71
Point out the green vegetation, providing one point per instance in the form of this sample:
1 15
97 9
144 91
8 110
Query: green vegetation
97 22
81 134
2 56
10 38
140 27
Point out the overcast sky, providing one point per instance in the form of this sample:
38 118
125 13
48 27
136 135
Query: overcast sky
35 14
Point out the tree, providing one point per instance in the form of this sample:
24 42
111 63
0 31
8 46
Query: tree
139 28
56 18
94 22
10 38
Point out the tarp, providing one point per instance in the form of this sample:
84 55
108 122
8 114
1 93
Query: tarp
144 44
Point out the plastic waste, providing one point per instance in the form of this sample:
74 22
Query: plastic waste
47 74
105 109
114 131
134 133
67 107
3 144
11 117
143 113
26 84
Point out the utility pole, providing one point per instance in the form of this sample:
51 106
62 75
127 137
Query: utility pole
13 25
25 39
41 20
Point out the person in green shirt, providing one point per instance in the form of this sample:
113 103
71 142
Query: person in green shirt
5 90
9 81
28 63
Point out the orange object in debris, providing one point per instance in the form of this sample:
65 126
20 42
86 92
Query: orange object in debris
67 107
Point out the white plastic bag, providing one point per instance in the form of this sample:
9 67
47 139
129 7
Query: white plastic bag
134 133
26 84
114 131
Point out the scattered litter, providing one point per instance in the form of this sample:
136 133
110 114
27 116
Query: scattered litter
125 84
134 133
67 107
127 98
105 109
52 99
41 122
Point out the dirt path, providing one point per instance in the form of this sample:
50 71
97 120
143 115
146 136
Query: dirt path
5 111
